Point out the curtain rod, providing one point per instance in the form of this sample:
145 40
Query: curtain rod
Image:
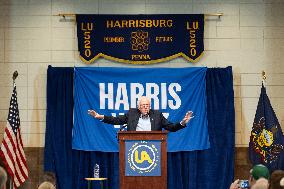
73 15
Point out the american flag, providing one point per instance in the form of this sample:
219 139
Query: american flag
12 151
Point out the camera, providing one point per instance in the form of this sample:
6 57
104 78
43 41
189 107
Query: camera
244 183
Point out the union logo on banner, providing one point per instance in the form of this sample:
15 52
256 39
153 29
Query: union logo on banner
142 158
140 39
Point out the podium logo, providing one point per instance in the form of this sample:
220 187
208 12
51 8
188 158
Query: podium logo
143 157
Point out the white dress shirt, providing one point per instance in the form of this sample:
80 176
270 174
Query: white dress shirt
144 124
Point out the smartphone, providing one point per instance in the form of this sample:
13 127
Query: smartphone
244 183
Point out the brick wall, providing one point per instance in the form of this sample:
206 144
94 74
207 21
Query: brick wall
248 37
35 157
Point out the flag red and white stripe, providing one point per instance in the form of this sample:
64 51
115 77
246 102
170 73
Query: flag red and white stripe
12 151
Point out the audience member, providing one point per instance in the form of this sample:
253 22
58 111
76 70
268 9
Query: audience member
46 185
49 177
257 172
3 178
49 181
261 183
275 179
235 184
282 182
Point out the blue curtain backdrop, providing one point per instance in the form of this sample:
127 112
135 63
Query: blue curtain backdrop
206 169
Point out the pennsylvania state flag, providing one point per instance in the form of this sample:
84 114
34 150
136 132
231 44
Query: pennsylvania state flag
266 144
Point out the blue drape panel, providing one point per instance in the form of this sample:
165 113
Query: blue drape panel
212 168
59 121
70 166
205 169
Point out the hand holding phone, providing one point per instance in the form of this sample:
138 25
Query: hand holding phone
244 184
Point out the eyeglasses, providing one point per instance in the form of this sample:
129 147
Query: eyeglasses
145 105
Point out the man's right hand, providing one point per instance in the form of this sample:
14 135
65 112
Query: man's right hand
95 114
235 184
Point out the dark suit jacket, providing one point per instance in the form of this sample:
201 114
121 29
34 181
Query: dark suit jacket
158 121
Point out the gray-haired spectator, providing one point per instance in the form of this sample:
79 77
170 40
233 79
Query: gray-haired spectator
49 181
49 177
46 185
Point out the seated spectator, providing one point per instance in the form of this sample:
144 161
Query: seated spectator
257 172
49 177
3 178
261 183
235 184
275 179
49 181
46 185
282 182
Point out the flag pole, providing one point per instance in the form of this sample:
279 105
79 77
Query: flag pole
14 158
15 75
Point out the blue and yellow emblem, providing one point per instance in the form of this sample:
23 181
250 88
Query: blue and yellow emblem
263 141
142 158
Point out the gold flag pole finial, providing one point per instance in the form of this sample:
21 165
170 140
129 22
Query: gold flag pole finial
263 75
15 75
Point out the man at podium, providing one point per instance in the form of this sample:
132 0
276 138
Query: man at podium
143 118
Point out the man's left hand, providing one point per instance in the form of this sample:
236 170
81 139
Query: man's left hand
188 116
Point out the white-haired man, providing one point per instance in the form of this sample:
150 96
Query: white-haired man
143 118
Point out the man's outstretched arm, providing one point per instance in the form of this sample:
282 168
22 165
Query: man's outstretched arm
119 120
95 114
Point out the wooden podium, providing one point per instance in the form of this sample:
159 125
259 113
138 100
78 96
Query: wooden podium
142 182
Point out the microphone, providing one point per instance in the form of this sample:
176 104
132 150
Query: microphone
123 127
